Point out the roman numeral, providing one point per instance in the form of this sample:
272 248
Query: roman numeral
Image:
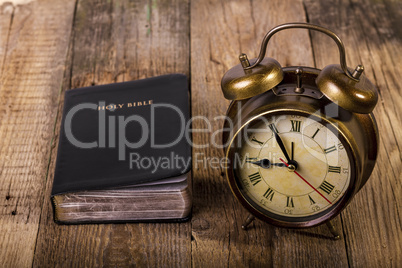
289 202
255 178
315 133
327 187
273 128
295 125
257 141
312 202
269 194
330 149
334 169
251 159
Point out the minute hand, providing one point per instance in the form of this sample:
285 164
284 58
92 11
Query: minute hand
280 143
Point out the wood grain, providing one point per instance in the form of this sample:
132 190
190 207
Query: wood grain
34 40
372 222
117 41
235 27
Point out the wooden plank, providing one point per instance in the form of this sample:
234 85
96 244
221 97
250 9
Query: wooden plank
220 30
119 41
34 41
372 35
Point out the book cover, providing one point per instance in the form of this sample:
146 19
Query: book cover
123 134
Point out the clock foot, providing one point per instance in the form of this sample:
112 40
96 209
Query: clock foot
248 221
333 231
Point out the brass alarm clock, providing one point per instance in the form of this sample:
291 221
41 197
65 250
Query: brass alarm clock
302 141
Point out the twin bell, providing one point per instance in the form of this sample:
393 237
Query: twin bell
348 88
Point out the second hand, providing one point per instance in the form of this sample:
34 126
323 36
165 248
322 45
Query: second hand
306 181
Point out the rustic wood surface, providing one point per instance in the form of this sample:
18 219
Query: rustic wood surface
50 46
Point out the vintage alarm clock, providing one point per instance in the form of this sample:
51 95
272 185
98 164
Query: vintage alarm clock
301 142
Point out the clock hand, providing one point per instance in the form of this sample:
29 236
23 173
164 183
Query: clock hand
293 161
280 143
292 151
278 164
306 181
265 163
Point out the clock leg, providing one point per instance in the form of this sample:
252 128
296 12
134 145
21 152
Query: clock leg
333 231
247 222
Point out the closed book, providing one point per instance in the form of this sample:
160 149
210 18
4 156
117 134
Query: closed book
124 153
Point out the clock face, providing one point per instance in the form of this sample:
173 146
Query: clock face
291 167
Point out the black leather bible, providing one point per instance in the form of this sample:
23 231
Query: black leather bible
124 153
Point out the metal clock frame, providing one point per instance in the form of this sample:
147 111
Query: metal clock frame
358 133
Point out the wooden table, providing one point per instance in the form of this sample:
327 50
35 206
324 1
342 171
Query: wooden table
49 46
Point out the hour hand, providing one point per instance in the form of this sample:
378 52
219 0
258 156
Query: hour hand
292 152
265 163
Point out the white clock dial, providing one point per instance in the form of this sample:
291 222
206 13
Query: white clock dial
306 177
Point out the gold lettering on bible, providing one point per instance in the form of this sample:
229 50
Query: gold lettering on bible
112 107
